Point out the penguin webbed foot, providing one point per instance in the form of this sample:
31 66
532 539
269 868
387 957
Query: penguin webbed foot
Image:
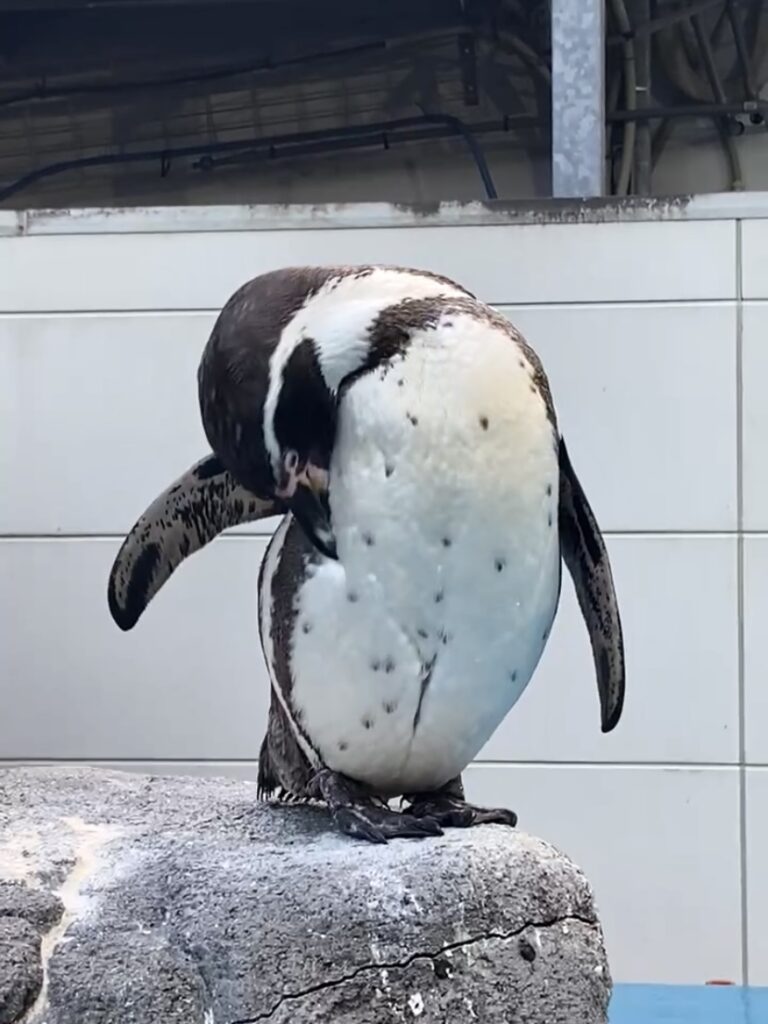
449 809
360 815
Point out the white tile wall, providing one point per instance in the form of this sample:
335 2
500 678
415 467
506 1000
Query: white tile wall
553 263
637 325
132 378
188 682
646 399
755 413
756 649
757 873
149 693
754 259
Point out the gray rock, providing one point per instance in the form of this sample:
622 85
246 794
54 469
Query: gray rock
21 974
41 908
186 900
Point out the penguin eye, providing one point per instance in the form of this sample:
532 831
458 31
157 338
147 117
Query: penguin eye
291 460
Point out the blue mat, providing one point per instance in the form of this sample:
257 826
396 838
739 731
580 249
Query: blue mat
688 1004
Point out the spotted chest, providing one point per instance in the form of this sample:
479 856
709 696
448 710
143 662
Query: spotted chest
408 651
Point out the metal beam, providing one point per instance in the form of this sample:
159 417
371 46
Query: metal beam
578 98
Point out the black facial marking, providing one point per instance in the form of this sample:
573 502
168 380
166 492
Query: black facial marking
549 490
414 419
484 422
368 539
352 597
439 596
376 665
447 542
549 518
500 564
305 417
389 469
389 666
306 627
389 706
422 633
343 744
368 723
513 676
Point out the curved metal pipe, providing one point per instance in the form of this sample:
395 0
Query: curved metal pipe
630 97
454 125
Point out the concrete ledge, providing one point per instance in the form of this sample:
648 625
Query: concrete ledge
130 899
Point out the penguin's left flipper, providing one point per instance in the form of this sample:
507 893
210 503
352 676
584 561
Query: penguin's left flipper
448 808
584 553
197 507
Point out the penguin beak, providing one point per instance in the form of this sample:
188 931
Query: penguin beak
305 492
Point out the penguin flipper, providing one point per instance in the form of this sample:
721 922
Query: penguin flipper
585 555
198 506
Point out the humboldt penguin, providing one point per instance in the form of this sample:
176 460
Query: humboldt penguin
406 434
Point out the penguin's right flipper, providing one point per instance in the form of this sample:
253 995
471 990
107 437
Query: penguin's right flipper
584 553
196 508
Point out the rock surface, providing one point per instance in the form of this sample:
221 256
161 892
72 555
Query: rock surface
130 899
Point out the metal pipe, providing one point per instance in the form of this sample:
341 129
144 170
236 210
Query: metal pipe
630 98
642 45
45 92
692 110
741 49
452 126
729 143
663 21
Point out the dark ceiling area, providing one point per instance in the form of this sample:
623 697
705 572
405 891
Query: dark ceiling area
121 89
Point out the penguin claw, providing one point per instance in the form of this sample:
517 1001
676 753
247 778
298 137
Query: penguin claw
362 815
452 812
378 825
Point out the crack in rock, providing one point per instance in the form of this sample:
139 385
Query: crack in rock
413 958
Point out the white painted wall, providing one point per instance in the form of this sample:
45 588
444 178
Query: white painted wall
653 334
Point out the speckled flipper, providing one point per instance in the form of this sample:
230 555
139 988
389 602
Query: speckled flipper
584 553
196 508
449 809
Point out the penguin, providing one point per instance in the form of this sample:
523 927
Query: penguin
406 435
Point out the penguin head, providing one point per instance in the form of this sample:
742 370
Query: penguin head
268 413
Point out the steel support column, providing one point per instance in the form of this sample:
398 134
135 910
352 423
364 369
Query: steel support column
578 98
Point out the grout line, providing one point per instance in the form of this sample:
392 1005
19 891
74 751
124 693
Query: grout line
507 304
485 764
740 600
232 535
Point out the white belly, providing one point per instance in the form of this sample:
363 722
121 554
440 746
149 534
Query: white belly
449 562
